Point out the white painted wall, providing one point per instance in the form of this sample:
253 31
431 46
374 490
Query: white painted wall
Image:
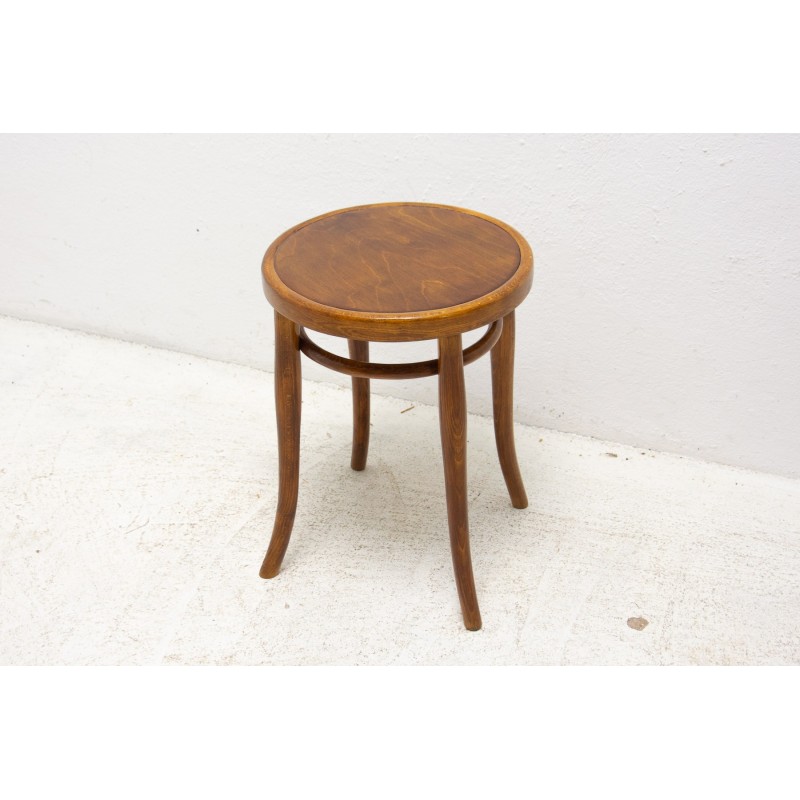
666 302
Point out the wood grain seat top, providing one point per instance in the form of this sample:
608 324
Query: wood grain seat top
397 271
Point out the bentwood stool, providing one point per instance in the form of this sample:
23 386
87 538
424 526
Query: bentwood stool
398 272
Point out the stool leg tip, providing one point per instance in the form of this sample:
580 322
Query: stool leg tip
268 571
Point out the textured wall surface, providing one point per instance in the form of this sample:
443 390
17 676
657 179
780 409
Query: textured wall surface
666 301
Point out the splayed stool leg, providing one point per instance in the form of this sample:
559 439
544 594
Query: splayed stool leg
359 351
287 411
453 425
503 404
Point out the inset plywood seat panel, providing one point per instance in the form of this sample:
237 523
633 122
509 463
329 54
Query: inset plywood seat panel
398 272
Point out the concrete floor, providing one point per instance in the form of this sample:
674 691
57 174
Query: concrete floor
137 488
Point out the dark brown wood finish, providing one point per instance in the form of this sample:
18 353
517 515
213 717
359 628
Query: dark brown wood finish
288 389
503 403
384 272
453 426
359 351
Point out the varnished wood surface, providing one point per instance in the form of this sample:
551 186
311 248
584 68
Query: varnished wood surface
397 271
414 369
453 426
503 403
397 259
288 388
359 351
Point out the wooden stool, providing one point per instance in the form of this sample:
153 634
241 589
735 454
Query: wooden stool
398 272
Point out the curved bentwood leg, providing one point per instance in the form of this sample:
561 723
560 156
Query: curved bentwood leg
359 351
503 402
453 424
287 409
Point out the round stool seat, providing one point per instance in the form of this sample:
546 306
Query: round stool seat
397 271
